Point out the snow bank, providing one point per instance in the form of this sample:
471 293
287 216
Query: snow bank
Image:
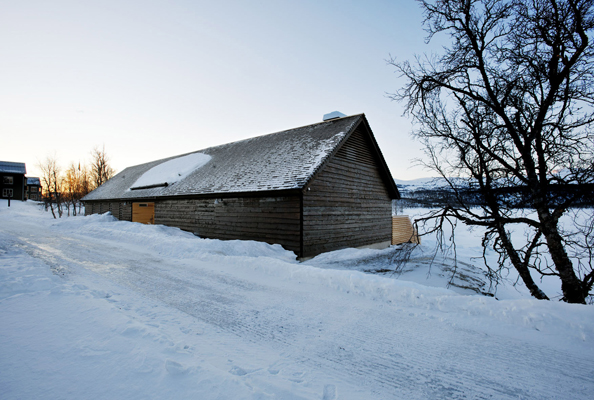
552 318
168 241
274 261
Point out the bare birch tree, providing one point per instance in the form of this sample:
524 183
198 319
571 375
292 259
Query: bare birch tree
76 185
51 182
507 110
101 171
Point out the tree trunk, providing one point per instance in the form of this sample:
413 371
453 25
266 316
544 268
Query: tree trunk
571 286
52 208
520 266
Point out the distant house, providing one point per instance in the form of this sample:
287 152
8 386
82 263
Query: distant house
311 189
12 180
33 189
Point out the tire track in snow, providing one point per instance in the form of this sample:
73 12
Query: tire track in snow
386 349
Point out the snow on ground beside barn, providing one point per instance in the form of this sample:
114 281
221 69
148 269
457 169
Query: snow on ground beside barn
459 266
95 308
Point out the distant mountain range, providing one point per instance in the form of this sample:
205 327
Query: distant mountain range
436 191
424 192
420 184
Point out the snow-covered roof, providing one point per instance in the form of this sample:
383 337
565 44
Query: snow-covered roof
170 172
12 167
33 181
278 161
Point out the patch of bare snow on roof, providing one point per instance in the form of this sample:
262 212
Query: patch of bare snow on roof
172 171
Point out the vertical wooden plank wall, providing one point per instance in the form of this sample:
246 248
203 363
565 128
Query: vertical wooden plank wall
347 204
403 230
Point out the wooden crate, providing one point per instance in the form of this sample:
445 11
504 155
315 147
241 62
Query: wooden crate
403 230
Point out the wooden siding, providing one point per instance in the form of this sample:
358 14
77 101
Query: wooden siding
119 209
347 204
266 219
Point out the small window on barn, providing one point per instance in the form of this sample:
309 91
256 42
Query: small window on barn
33 189
143 205
8 180
6 192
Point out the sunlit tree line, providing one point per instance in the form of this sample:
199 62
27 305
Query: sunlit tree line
64 188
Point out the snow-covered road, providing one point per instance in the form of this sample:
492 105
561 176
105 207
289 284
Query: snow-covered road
97 308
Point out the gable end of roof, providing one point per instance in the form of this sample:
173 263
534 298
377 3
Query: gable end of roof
381 162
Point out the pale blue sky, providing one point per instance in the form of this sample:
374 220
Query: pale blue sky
152 79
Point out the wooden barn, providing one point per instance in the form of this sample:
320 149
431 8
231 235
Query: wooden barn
312 189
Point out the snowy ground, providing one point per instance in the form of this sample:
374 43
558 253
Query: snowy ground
95 308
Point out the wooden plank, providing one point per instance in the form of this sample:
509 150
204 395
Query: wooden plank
379 236
357 149
341 202
325 244
323 210
403 230
344 166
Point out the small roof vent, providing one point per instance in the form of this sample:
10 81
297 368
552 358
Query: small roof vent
333 115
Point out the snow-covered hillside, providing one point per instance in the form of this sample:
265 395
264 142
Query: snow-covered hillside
420 183
95 308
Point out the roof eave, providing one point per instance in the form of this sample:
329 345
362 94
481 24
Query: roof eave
225 195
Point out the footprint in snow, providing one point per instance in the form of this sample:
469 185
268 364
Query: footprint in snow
238 371
329 392
175 368
235 370
133 331
297 377
87 351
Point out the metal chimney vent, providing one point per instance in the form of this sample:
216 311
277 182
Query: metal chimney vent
333 115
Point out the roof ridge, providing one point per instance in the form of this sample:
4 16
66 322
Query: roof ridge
248 139
275 133
283 160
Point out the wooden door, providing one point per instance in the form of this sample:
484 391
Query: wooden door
143 213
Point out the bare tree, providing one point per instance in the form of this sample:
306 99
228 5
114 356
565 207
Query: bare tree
76 185
51 182
507 111
85 184
101 171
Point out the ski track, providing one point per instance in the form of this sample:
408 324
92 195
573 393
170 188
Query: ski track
381 349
